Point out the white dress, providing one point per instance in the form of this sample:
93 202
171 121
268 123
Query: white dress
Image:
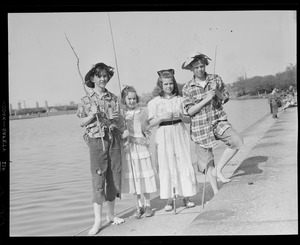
173 151
137 163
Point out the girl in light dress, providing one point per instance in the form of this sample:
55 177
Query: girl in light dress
139 173
172 141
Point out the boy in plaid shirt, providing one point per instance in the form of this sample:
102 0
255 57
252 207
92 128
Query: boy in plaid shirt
203 99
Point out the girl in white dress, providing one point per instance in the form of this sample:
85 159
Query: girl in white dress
138 171
172 141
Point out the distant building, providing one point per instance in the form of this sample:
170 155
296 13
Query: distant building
19 105
37 105
72 103
53 110
10 109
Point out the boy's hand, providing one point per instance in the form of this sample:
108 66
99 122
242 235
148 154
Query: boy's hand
125 134
94 110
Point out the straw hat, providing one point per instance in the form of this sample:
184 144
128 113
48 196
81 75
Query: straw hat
187 64
91 73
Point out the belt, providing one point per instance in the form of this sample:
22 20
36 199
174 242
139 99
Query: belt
170 122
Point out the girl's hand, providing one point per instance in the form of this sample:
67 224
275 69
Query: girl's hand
125 134
112 126
177 115
115 115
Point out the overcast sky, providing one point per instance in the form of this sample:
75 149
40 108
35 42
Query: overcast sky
43 67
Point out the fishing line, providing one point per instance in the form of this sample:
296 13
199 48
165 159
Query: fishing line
133 175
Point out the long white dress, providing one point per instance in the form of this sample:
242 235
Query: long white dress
137 164
173 151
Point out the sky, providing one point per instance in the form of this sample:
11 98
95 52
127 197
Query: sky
43 67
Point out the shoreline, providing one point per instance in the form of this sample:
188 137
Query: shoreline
252 137
66 112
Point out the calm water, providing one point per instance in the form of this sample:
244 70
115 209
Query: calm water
50 184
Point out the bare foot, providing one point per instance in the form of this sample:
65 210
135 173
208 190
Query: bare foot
222 178
219 175
96 228
115 220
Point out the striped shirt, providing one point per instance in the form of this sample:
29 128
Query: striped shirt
103 102
201 132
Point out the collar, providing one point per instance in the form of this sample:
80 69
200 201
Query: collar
106 94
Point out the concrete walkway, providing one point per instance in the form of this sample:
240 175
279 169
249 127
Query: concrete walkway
261 199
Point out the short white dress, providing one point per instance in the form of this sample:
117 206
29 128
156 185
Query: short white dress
137 164
173 151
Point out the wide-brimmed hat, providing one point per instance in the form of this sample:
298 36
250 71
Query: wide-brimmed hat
91 73
187 64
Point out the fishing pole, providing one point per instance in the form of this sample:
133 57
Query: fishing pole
209 124
87 93
115 56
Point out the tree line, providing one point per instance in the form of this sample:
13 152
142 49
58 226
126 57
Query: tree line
264 84
248 86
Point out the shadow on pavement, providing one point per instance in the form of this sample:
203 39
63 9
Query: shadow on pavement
249 166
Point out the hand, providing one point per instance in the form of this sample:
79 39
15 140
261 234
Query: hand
112 126
177 115
125 134
115 115
210 94
94 110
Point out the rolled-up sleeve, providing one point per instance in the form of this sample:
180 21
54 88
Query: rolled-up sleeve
81 111
187 102
222 88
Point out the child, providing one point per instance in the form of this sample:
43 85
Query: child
204 96
103 138
139 174
172 141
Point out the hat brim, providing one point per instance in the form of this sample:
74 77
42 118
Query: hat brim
90 73
187 64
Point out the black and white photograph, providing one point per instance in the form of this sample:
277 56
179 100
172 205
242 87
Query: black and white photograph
151 123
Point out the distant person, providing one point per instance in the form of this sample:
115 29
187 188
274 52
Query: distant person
199 93
291 90
176 172
274 97
289 101
103 139
270 103
138 171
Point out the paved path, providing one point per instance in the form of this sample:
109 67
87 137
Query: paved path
260 199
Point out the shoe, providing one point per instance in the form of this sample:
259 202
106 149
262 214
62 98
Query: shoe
138 213
188 203
169 206
148 211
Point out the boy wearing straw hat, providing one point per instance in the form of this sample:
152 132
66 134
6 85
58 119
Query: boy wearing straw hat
99 114
203 99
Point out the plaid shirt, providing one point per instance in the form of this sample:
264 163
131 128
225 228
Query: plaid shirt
92 129
201 132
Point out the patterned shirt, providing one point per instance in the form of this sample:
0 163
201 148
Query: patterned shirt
95 129
201 132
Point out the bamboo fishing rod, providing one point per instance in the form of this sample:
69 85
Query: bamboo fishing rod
115 56
84 88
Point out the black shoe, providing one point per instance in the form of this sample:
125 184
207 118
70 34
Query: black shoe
188 203
138 213
170 205
148 211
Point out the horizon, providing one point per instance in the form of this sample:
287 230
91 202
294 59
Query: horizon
43 68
